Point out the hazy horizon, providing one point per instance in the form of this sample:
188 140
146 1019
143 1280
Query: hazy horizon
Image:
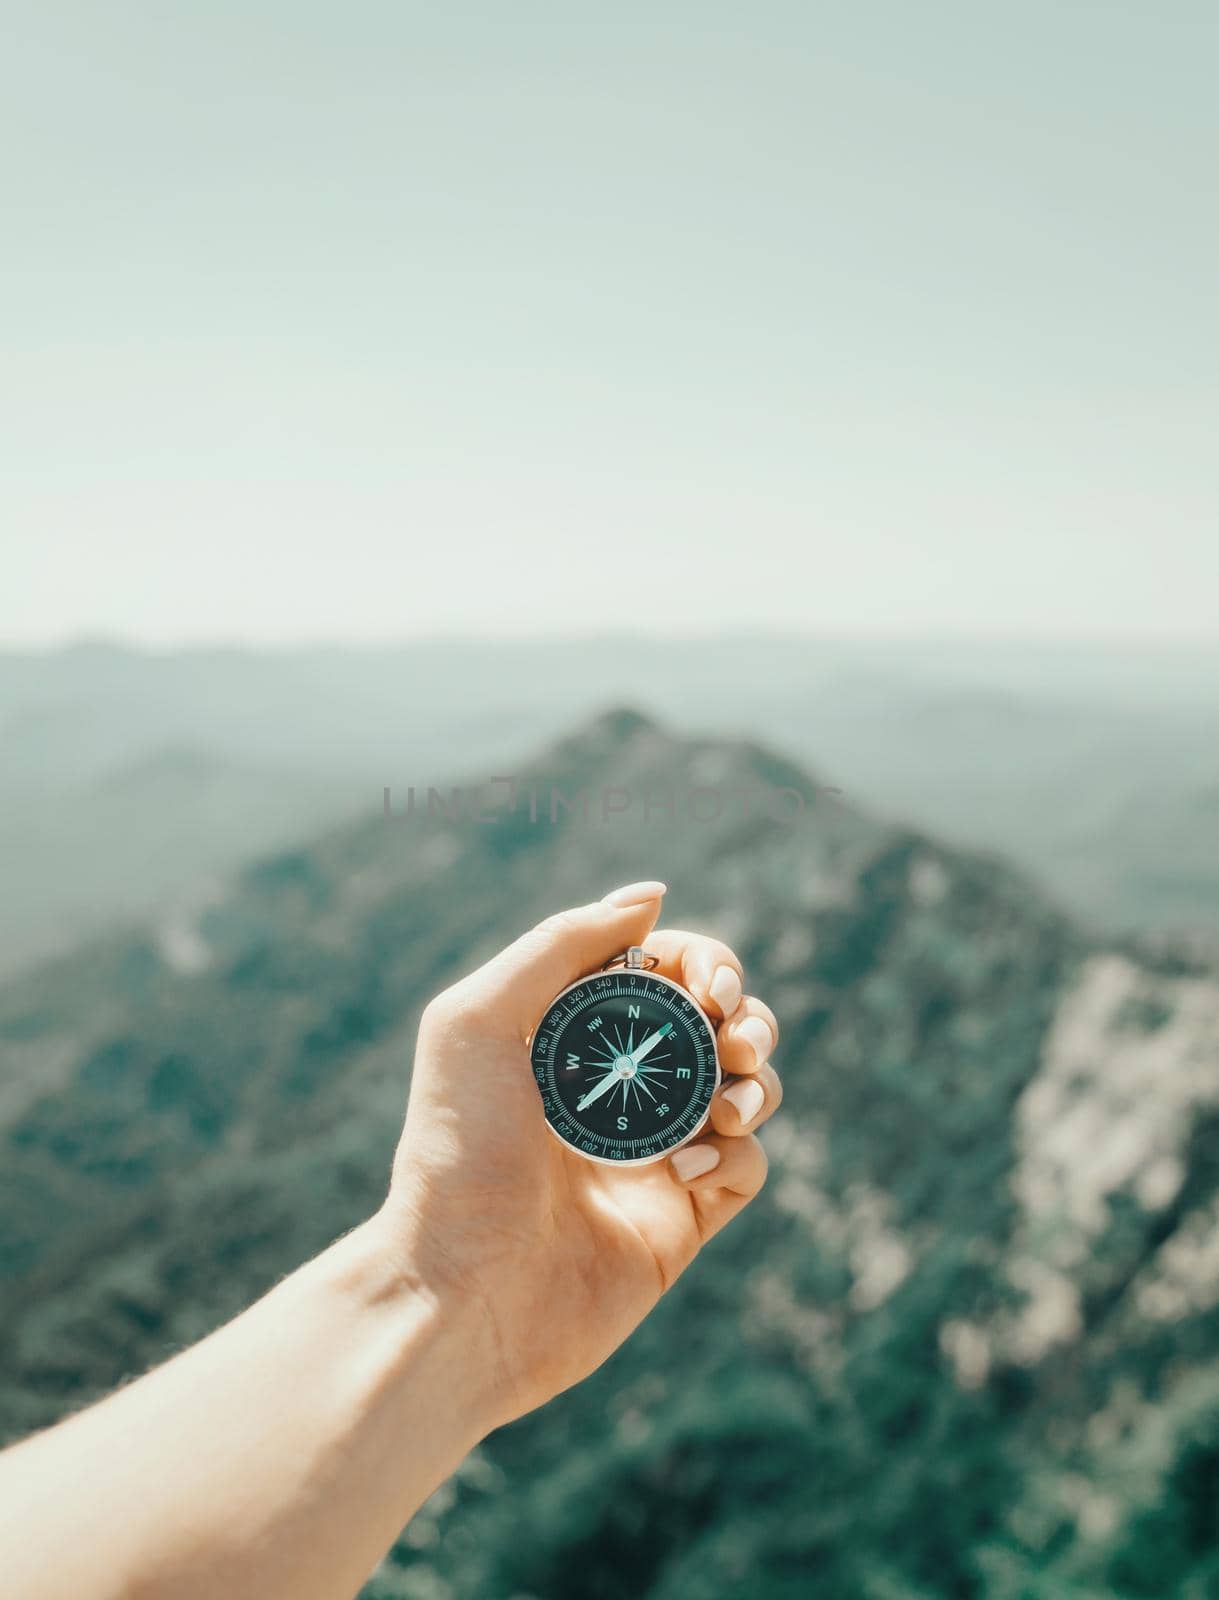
1174 642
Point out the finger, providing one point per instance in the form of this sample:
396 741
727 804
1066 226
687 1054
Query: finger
516 986
748 1038
728 1184
704 966
742 1105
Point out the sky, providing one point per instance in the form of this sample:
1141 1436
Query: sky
359 322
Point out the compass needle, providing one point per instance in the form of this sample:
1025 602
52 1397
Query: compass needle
595 1093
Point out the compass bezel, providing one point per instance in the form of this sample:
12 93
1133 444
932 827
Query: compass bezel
647 976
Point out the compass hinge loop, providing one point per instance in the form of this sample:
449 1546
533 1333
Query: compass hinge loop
636 959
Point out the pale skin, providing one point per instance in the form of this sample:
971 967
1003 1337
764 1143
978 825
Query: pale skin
280 1457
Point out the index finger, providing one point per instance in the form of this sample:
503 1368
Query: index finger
703 965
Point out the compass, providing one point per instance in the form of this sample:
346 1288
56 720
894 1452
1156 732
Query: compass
626 1064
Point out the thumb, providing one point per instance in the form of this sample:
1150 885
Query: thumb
517 985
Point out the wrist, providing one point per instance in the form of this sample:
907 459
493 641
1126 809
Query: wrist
422 1326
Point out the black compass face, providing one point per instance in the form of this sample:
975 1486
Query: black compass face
626 1064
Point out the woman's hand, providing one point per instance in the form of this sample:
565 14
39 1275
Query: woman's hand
564 1257
277 1459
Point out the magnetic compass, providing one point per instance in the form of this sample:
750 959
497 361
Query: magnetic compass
626 1063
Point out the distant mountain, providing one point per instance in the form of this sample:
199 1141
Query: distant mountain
1085 763
151 831
963 1346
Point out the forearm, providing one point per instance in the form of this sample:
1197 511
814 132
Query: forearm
279 1457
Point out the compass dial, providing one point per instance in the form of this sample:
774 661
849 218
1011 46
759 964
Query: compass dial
626 1065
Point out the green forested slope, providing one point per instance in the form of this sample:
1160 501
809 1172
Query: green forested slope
966 1343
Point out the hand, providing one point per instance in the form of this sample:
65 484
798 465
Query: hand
488 1210
501 1268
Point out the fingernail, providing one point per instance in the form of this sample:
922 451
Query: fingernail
757 1035
725 990
636 894
694 1160
747 1096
